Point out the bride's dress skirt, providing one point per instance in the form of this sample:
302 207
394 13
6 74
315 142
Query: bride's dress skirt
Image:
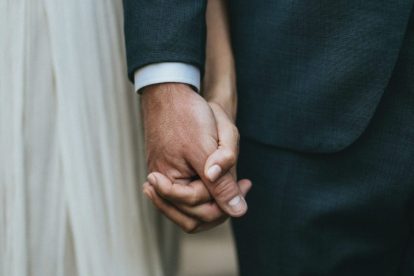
71 152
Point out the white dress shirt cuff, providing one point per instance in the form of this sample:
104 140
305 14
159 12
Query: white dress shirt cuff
167 72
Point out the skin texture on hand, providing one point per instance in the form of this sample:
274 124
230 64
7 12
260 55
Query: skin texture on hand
192 214
180 134
188 202
177 122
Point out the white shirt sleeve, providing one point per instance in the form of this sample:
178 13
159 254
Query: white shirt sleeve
167 72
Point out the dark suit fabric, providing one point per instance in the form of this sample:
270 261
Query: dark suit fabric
326 115
311 73
345 213
164 31
336 214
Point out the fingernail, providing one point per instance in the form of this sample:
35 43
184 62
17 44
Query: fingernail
238 204
213 172
152 179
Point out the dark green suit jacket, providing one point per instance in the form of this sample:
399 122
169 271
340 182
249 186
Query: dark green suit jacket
310 73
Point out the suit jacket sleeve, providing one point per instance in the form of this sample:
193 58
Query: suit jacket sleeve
164 31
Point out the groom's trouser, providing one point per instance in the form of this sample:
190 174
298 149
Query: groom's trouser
348 213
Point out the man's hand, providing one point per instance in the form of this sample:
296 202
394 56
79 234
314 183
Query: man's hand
181 134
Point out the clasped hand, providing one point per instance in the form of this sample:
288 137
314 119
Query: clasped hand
192 148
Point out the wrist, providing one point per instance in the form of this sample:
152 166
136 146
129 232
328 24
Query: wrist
161 97
166 86
228 107
226 97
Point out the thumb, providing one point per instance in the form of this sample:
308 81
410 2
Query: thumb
224 190
228 195
245 186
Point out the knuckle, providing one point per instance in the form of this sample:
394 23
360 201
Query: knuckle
161 191
236 135
235 131
190 226
229 156
225 190
192 198
166 192
212 217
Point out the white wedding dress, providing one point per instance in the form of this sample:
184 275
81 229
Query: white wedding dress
71 161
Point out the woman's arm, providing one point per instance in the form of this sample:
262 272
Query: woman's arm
219 84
